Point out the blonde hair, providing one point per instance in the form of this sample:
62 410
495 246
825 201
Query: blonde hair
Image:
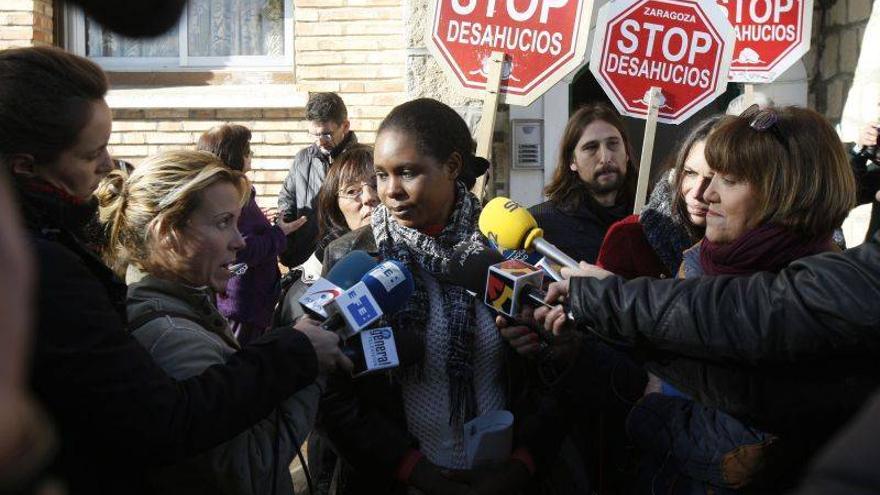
144 214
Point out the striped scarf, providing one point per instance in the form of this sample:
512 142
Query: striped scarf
419 250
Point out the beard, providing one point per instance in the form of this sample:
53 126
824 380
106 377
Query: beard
608 183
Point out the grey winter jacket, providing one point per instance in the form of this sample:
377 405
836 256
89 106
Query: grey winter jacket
299 197
191 337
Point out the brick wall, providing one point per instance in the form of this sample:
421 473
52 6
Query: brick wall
838 29
352 47
25 23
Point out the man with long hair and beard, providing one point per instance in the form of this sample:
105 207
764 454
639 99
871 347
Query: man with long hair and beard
594 183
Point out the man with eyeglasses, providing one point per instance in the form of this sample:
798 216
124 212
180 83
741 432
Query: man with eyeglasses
330 129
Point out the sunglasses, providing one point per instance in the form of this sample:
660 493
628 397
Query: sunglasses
764 120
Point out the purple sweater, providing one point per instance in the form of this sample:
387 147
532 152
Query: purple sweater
250 298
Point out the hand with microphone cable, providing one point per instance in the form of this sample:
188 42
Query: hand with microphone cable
512 289
557 319
326 345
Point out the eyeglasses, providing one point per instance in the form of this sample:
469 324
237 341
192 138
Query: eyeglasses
357 192
323 136
762 120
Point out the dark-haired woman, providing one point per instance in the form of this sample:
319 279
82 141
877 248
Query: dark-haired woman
651 244
345 203
594 183
403 429
117 412
250 298
781 185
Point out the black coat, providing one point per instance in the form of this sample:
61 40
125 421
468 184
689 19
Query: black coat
578 233
793 354
868 182
849 464
116 411
365 421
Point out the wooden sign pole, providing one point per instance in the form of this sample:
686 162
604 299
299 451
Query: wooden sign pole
647 149
487 121
748 94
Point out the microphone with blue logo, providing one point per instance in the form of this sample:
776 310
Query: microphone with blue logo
344 274
383 290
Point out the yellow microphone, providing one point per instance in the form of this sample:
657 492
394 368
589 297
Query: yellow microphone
510 226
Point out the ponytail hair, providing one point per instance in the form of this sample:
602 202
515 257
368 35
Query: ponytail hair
145 214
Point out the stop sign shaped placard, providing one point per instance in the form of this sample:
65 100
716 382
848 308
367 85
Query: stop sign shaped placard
543 41
771 36
683 47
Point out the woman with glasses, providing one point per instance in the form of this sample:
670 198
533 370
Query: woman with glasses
781 185
345 203
249 299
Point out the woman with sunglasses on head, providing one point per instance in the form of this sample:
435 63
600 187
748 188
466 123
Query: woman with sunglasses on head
646 245
651 244
782 184
249 299
118 413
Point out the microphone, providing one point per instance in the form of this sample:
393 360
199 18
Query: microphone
510 226
375 351
504 284
383 290
344 274
378 349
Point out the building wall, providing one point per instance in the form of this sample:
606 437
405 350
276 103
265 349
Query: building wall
838 29
352 47
25 23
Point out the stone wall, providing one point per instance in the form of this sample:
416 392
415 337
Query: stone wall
426 79
838 29
25 23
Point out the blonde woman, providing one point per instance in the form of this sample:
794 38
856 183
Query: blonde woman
174 223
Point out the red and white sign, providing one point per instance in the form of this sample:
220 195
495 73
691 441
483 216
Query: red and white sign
543 40
683 47
771 35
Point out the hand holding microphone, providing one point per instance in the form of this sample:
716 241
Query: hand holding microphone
326 345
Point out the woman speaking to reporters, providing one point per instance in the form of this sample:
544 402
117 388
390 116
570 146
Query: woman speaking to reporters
407 429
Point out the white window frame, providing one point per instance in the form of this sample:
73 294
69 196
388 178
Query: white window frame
75 41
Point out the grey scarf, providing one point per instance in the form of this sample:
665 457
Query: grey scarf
419 250
664 231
